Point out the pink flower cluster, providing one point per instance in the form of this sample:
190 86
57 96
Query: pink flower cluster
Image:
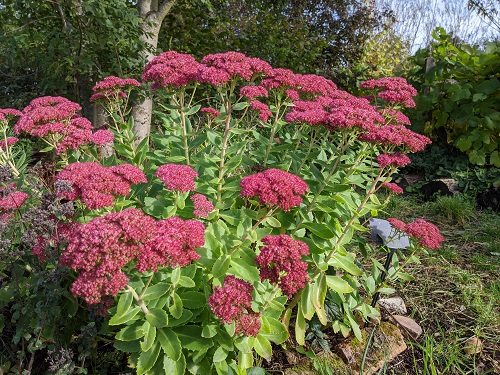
396 160
100 248
426 233
10 141
274 187
211 111
396 189
202 206
254 92
55 115
111 88
172 244
394 115
220 68
171 69
280 263
395 90
232 302
335 111
263 109
96 185
11 200
396 135
102 137
6 113
177 177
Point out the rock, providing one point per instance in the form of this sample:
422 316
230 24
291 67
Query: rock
393 305
489 199
473 346
384 233
408 325
442 186
326 360
387 343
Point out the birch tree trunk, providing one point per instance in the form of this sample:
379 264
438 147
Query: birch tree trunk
152 12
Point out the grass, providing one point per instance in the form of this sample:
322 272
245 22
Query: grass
456 292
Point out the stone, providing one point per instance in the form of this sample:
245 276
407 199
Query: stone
384 233
393 305
387 343
442 186
473 346
408 325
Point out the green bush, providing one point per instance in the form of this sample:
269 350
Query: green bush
458 106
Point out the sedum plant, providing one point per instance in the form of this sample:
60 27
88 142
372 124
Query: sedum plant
239 221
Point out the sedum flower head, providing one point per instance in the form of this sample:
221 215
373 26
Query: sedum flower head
232 302
102 137
171 69
427 234
280 262
96 185
202 206
173 244
274 187
177 177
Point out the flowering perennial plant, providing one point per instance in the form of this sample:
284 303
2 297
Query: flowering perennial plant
281 167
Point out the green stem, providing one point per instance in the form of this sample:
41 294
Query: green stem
273 132
245 236
223 150
138 299
345 144
353 217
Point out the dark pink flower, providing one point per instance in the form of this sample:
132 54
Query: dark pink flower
396 135
47 114
102 137
171 69
211 111
115 84
173 244
12 200
274 187
232 302
292 94
396 223
7 113
280 262
426 233
395 90
314 84
96 185
396 160
100 248
202 206
398 117
263 109
177 177
396 189
281 78
254 91
10 141
221 67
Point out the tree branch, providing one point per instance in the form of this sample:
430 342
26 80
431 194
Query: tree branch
164 9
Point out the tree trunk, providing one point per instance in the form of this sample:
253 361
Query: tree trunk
152 15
